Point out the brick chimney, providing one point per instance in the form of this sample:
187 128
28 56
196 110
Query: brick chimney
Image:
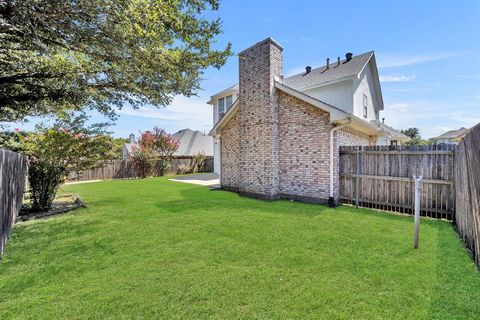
259 66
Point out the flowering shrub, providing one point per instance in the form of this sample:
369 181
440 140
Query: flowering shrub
154 145
55 152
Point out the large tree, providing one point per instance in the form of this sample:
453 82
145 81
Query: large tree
58 55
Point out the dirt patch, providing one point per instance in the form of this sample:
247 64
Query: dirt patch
62 204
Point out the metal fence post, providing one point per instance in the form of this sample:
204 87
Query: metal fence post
418 185
357 178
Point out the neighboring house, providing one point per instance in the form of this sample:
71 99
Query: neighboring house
279 137
191 143
127 149
391 136
452 136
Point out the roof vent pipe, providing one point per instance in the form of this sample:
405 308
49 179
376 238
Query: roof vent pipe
348 55
308 69
328 63
338 61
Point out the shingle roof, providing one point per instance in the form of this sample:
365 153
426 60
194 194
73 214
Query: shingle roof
323 75
452 134
392 132
193 142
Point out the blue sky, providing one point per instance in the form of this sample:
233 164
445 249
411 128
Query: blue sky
428 54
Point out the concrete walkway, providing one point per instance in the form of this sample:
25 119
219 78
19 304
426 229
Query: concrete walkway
203 179
79 182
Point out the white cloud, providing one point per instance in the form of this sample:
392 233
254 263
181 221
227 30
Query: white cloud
400 78
183 112
431 118
390 60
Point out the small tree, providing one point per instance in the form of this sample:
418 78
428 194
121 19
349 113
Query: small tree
154 145
143 160
57 151
164 146
198 162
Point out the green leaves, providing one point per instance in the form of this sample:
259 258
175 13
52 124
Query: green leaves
54 152
61 55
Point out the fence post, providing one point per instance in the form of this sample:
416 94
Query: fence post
357 178
418 182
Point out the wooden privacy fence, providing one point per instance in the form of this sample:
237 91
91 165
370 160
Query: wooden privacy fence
121 169
467 190
381 177
13 168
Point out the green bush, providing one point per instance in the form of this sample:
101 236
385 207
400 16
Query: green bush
55 152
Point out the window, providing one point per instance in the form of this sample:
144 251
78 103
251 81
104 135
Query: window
365 105
228 102
221 107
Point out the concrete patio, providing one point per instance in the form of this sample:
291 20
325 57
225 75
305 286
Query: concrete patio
204 179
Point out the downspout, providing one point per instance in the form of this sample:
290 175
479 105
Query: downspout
331 200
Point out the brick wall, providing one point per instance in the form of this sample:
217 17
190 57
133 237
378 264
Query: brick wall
304 148
230 153
258 119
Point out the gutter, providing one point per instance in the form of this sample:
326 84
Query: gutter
331 200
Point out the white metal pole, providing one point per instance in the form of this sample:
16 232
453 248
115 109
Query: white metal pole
418 184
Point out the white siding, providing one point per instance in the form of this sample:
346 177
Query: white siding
365 85
216 155
215 113
338 94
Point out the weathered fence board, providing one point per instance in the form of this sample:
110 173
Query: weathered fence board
467 183
13 168
120 169
385 178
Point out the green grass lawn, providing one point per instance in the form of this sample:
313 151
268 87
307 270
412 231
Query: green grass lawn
153 249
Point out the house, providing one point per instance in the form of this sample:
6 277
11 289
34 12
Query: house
391 136
452 136
128 148
278 137
190 142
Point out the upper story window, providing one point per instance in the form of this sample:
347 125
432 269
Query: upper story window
365 106
221 107
228 102
224 104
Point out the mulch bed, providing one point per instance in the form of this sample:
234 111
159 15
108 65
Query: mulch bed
62 204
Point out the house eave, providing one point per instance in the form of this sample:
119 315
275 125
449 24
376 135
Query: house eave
364 126
335 113
233 90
